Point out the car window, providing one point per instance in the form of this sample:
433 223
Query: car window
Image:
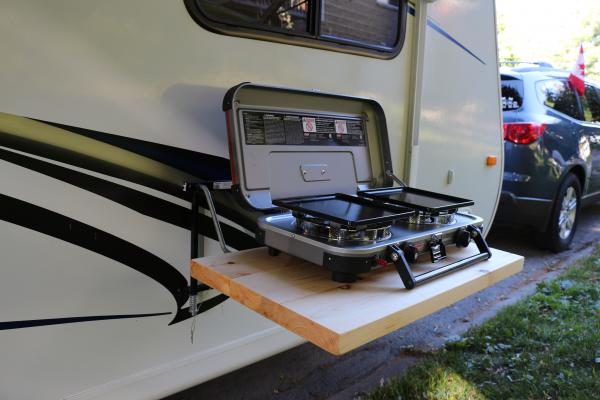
558 95
512 93
591 104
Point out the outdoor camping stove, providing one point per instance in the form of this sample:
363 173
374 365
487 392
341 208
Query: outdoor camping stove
319 166
357 246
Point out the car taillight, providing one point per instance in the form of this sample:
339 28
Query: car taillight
523 133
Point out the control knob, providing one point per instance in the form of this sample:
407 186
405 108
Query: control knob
411 253
463 238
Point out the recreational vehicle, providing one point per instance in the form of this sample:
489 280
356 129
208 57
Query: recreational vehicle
107 108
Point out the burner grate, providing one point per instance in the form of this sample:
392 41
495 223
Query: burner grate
324 229
426 218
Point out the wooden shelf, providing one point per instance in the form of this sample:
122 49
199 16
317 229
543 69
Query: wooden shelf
338 317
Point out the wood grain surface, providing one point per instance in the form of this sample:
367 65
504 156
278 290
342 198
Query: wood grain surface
337 317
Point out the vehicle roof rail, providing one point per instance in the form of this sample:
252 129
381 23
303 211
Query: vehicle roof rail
542 64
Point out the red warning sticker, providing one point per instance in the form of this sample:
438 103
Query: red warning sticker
340 126
309 124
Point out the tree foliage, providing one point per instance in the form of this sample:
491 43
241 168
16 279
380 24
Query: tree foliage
520 33
589 35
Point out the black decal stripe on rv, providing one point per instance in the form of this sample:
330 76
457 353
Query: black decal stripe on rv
184 313
141 202
69 320
433 25
201 165
48 222
52 149
61 227
57 153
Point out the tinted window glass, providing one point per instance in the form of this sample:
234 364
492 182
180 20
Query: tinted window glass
512 93
369 21
285 15
559 95
372 24
591 104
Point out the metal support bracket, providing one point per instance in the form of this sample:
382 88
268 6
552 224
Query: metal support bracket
395 178
195 188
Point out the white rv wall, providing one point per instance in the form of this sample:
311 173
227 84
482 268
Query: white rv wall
145 69
142 69
460 106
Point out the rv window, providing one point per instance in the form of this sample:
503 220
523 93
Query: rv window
558 95
366 27
512 93
369 22
286 15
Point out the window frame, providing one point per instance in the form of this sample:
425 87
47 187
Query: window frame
386 4
308 39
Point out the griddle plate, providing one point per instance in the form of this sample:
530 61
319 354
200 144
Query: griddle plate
417 199
347 210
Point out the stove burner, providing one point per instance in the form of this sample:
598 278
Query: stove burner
441 218
324 229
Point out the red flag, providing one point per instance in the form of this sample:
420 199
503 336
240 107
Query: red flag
576 76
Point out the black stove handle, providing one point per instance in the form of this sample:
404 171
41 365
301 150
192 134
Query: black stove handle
396 256
410 281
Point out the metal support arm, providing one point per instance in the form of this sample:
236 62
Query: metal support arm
196 188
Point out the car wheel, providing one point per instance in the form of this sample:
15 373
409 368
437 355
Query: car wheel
565 214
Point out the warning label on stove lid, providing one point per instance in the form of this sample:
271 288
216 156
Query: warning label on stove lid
309 124
340 126
264 128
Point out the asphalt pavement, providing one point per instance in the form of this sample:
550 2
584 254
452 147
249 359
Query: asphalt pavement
307 373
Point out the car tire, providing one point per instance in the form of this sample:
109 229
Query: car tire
564 216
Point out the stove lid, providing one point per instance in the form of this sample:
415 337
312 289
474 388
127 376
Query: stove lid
287 143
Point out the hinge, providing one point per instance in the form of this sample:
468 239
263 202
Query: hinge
395 178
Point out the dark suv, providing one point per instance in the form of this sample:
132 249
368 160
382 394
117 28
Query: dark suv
552 152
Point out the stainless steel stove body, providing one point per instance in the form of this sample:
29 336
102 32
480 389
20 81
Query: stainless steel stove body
347 259
281 231
319 167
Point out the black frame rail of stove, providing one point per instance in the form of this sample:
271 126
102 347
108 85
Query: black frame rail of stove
395 254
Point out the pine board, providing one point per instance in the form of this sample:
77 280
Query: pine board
301 297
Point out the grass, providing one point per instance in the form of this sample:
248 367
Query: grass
546 346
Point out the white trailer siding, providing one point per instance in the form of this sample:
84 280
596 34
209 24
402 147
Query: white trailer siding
461 121
145 69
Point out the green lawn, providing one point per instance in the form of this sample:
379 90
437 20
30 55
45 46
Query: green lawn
547 346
